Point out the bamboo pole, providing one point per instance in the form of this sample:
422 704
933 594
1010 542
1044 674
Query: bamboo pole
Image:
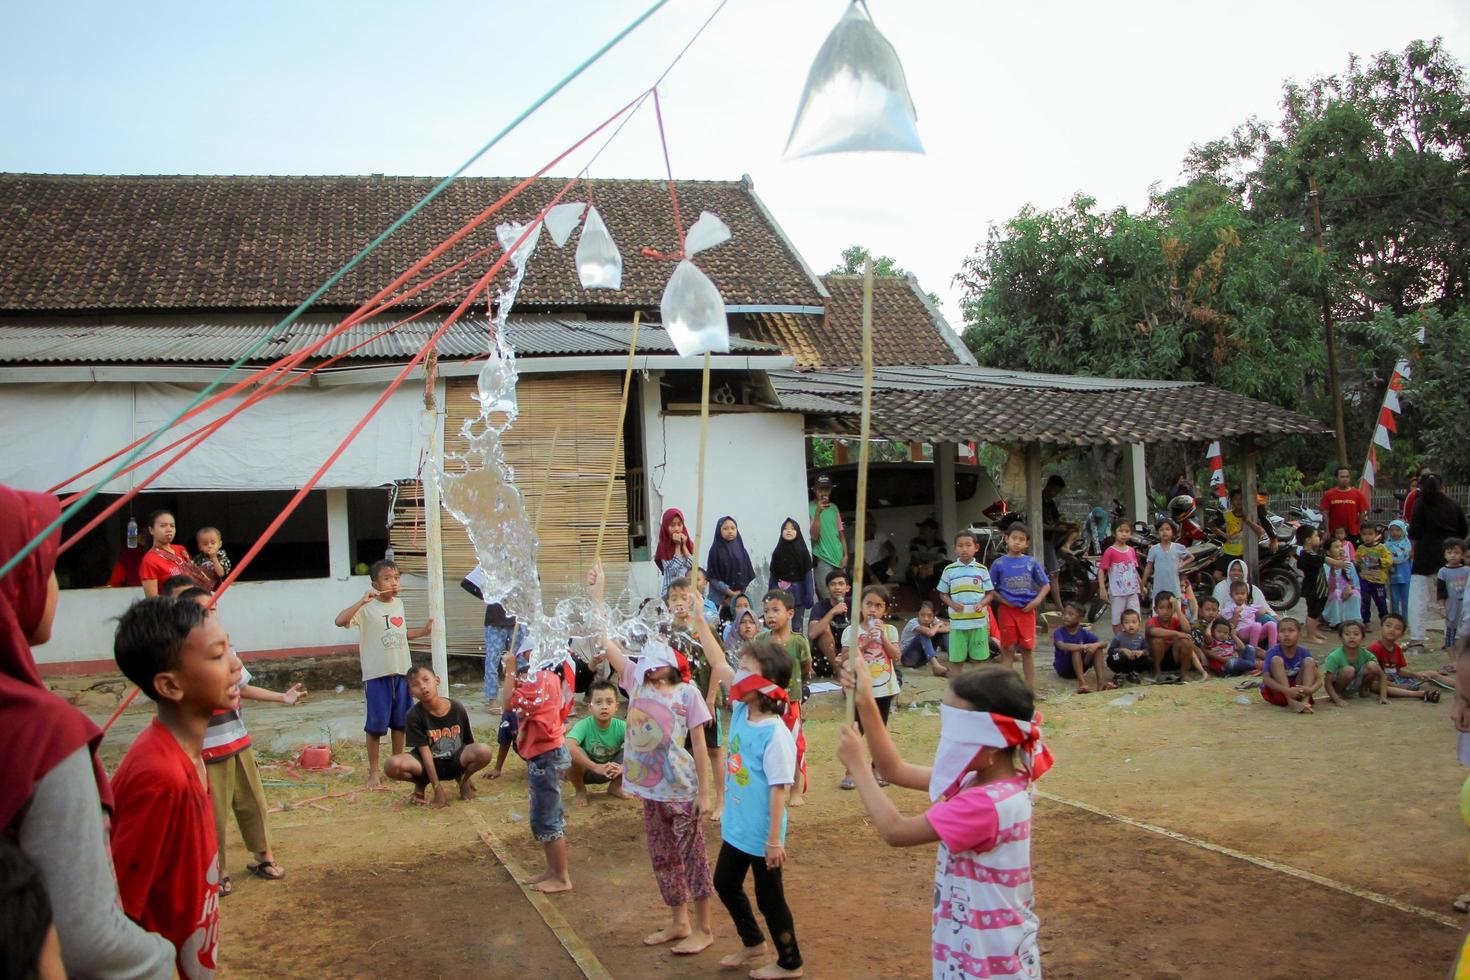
546 484
612 466
855 656
434 543
703 440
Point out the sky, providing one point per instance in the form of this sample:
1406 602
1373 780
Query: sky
1017 103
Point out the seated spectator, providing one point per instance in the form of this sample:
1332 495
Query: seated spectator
1128 656
166 559
596 745
927 557
1226 654
1403 683
829 620
1289 677
924 638
1078 650
1171 642
211 555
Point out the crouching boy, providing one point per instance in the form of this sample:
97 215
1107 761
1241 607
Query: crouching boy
441 747
595 744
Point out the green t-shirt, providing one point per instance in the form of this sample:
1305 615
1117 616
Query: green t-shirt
600 744
801 659
828 546
1337 660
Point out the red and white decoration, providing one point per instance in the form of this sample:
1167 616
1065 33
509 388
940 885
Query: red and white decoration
1216 459
1387 420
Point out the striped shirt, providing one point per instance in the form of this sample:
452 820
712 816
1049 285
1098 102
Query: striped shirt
226 734
966 584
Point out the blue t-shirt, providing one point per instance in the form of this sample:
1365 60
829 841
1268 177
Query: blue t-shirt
1018 580
1062 659
1454 583
762 754
1293 664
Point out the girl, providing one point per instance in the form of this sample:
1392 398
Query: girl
1246 617
1342 586
990 751
1398 578
740 607
663 707
791 569
1312 562
762 769
1225 654
878 644
166 559
1117 575
728 564
674 555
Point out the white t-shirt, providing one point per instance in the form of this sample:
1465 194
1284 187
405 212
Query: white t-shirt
880 668
382 640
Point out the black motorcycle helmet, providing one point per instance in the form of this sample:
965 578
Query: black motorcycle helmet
1181 508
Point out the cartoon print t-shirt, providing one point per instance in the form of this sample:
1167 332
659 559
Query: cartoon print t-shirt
656 766
443 735
880 668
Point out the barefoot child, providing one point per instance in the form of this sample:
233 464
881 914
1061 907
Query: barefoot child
990 750
965 587
1289 677
1021 586
534 695
923 639
1117 574
1402 682
596 745
683 600
441 746
1128 657
382 644
878 647
1171 642
1313 564
1078 650
762 768
1351 669
780 607
1249 620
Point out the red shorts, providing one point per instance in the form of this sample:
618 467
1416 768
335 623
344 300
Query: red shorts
1277 698
1015 627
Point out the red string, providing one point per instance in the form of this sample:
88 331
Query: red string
120 709
669 170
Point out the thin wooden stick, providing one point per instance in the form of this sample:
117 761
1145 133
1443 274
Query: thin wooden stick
546 483
855 656
612 466
703 439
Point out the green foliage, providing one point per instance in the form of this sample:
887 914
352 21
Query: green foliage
854 256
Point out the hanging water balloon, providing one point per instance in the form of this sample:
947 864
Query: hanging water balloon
693 312
599 263
856 96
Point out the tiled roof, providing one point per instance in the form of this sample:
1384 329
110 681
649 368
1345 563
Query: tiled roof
161 242
194 341
961 404
907 328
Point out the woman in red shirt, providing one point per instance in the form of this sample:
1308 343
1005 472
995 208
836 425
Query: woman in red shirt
165 559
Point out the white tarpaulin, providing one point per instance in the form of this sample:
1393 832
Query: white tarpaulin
48 432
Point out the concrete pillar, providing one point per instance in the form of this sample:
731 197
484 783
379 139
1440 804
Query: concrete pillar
946 510
1135 484
339 535
1248 502
650 403
1033 500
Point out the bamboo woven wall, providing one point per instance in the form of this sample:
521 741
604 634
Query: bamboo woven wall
580 413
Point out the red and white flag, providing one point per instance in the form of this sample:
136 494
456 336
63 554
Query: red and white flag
1387 424
1216 461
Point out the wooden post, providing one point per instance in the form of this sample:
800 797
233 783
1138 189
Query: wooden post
1033 501
946 510
703 441
1136 484
839 452
433 541
860 533
612 466
1248 503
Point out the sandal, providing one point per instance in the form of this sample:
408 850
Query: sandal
1462 904
847 783
269 870
1431 696
225 886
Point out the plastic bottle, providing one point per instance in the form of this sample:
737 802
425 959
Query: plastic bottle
132 533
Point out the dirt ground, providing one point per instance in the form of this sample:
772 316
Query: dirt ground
1364 795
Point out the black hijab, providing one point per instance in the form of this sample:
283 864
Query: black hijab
791 560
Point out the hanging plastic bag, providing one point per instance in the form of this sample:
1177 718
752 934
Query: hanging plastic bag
599 263
705 233
507 235
694 312
562 220
496 390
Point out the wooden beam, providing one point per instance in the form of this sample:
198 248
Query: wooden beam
1032 452
1248 503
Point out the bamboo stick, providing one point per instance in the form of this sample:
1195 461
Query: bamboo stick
546 486
703 440
612 469
855 656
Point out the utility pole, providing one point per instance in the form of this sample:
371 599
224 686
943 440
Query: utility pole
1333 387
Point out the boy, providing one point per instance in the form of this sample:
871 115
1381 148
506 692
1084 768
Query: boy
507 731
1128 655
710 608
163 840
779 606
1453 575
1170 640
1351 669
924 637
441 745
211 556
1078 649
536 701
965 587
1403 683
1375 564
1021 586
830 618
1117 574
596 745
682 602
1289 677
382 644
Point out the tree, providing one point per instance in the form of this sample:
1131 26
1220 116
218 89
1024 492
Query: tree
853 258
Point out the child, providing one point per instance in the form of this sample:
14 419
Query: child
663 706
1164 562
791 570
1342 585
211 556
535 697
690 631
1313 564
738 609
1352 669
596 745
1117 574
1375 565
166 559
1289 675
730 570
1348 549
163 840
1209 611
1170 641
878 645
1021 585
779 607
1453 575
1188 607
923 638
28 937
1245 617
1403 567
1128 654
965 587
753 833
1225 652
830 618
709 609
508 731
990 751
1078 649
674 555
1402 682
382 646
441 745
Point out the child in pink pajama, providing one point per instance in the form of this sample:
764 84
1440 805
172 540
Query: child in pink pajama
1244 617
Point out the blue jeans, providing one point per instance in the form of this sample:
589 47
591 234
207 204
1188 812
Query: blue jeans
497 641
543 775
921 649
1398 598
1241 665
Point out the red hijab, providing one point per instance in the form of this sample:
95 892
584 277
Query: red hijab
666 548
37 728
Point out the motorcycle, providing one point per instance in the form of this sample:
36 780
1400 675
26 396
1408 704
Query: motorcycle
1281 580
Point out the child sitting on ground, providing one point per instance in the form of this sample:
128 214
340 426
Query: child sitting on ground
1375 565
382 644
780 607
878 646
965 587
1021 586
753 833
1402 682
1117 574
1351 669
441 745
163 836
596 745
1128 655
1171 643
1289 674
990 751
1247 618
211 555
1454 575
535 696
1078 650
1226 653
1342 585
923 638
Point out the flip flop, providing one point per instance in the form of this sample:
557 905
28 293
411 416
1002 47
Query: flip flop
263 869
1431 696
225 886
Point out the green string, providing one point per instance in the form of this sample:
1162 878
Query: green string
336 277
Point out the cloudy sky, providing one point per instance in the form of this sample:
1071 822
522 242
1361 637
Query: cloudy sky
1017 102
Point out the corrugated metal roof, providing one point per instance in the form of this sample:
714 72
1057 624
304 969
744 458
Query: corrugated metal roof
221 340
950 376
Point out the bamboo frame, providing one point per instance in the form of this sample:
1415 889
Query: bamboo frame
860 532
703 441
612 469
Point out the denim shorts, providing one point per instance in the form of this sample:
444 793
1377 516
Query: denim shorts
544 776
388 704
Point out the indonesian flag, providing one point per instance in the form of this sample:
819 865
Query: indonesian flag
1216 459
1387 422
